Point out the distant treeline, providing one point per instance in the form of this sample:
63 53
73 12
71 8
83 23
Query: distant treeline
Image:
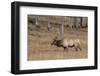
69 21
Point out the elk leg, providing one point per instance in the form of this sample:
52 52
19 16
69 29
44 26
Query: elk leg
79 47
65 48
76 49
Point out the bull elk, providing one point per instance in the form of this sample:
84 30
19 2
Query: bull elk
67 43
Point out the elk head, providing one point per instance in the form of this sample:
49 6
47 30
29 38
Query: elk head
56 42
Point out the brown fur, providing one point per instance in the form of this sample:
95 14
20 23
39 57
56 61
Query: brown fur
59 43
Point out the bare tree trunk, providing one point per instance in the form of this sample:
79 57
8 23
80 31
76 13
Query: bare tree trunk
70 23
61 29
84 22
78 22
48 25
81 21
75 22
37 22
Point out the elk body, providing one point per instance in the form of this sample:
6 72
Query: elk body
67 43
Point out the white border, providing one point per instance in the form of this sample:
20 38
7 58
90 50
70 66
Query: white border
26 65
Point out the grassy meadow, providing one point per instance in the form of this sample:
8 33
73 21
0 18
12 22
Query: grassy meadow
40 48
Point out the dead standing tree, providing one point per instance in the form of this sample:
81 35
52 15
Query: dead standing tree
71 22
37 25
85 22
78 22
48 25
61 28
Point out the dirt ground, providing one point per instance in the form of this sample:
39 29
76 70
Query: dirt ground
40 48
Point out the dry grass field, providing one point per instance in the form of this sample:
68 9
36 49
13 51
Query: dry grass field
40 48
